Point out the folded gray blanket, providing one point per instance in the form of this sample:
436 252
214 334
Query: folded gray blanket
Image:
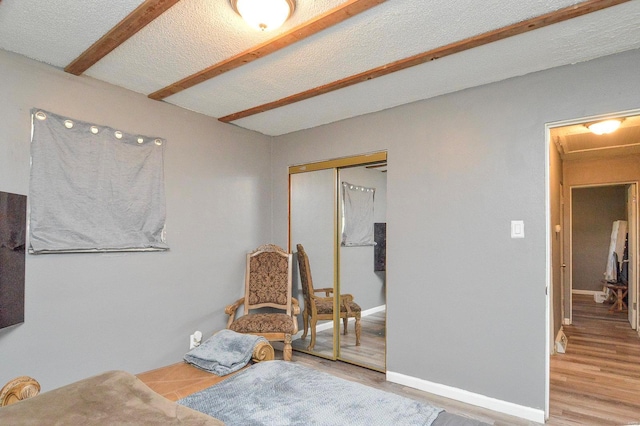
224 352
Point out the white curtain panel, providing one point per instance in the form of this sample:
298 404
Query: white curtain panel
616 245
94 188
357 203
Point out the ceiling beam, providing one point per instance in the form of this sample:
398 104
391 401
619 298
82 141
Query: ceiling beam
541 21
319 23
134 22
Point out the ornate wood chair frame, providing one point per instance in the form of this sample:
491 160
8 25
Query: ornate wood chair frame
261 292
310 314
20 388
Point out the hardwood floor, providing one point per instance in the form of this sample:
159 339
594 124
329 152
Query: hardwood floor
597 380
371 352
179 380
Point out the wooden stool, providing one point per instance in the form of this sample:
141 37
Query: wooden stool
619 291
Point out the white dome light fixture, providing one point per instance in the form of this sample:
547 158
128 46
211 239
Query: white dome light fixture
604 127
265 15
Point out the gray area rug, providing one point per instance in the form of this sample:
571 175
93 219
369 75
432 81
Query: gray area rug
285 393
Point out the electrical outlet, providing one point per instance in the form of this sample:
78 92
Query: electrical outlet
195 339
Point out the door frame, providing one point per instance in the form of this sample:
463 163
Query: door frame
633 248
548 267
334 164
632 244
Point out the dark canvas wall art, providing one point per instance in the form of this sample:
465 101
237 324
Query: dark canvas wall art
13 222
380 249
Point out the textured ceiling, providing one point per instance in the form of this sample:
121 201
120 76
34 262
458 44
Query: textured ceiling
195 34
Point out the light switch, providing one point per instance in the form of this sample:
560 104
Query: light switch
517 229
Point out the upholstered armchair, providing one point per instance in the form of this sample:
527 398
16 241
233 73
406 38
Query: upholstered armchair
321 307
267 285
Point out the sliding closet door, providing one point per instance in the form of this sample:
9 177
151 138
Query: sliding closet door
312 224
315 222
362 262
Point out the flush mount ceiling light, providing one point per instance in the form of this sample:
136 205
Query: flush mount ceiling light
605 126
265 15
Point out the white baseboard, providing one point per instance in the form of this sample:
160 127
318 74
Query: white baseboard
324 326
329 324
373 310
528 413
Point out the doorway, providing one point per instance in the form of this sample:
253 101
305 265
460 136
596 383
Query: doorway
577 160
603 224
339 269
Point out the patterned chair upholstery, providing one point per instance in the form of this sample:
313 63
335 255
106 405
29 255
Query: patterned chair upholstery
267 285
321 308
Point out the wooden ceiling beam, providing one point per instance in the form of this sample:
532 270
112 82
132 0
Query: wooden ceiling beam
319 23
125 29
522 27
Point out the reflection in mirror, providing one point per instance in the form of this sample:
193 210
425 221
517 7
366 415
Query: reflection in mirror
362 275
312 222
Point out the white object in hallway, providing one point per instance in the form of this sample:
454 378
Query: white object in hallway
618 233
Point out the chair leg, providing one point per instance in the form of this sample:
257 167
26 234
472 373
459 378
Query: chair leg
358 329
287 351
313 334
345 320
305 321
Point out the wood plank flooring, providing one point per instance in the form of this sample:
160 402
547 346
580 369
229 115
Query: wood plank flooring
179 380
371 352
597 380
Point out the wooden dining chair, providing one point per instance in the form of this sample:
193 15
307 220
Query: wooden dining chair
321 307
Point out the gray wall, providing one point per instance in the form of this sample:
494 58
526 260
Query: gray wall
87 313
466 304
593 211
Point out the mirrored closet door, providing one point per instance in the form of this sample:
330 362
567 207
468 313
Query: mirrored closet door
312 225
362 261
338 261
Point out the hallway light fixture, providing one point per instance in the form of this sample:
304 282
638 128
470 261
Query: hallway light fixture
265 15
605 127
